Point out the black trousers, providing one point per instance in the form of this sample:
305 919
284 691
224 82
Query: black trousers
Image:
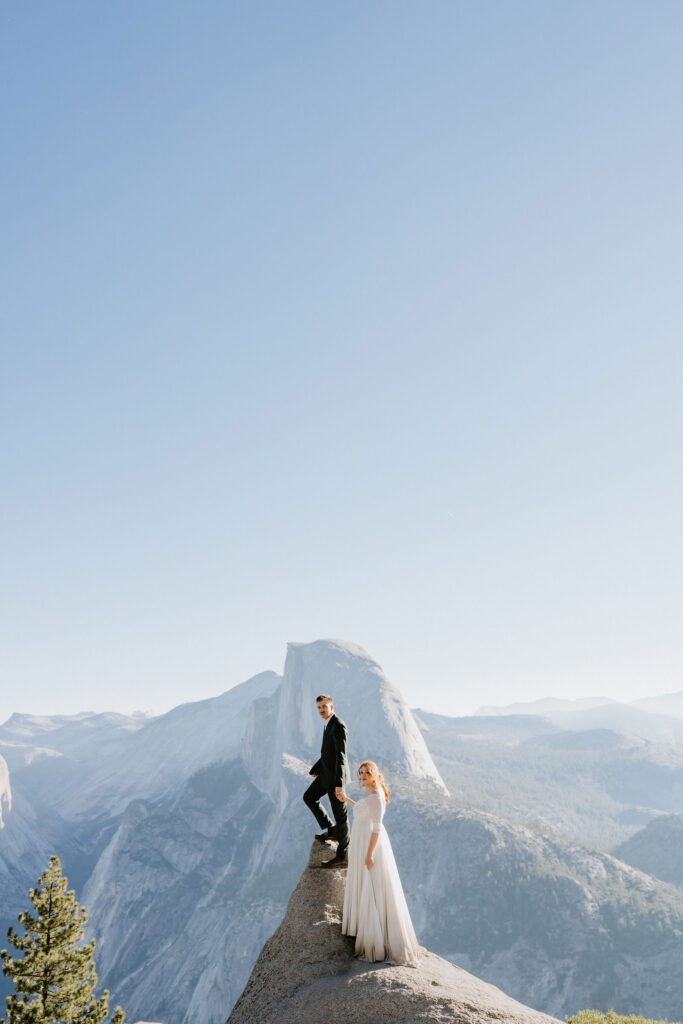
317 789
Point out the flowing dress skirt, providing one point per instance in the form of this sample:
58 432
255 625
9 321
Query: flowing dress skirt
375 909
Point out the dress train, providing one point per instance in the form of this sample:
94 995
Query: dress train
375 909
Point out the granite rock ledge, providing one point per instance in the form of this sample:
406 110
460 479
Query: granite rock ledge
307 973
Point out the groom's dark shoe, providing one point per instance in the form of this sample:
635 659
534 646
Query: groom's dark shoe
336 862
330 833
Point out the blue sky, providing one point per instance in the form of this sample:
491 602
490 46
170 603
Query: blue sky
358 321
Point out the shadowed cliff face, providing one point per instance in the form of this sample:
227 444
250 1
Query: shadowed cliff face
656 849
307 973
5 791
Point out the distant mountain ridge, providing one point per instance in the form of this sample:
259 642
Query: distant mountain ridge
546 706
595 785
666 704
602 713
661 704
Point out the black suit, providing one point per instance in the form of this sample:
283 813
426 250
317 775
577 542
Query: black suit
331 771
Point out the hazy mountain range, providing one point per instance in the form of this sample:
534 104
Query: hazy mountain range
655 718
184 835
597 786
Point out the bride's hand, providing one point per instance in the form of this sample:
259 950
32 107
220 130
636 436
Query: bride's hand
369 861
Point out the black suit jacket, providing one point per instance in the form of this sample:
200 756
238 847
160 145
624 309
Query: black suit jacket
332 768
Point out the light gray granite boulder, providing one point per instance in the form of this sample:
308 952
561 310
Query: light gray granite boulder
307 973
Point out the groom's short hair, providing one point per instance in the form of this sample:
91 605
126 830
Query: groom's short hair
324 698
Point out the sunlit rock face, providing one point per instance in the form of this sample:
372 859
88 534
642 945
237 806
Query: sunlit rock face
381 725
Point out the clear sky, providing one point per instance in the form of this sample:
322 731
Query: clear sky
354 320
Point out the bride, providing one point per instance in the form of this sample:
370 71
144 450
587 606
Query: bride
375 909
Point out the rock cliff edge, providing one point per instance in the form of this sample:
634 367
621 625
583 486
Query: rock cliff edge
307 974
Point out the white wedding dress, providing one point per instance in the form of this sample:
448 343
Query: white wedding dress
375 909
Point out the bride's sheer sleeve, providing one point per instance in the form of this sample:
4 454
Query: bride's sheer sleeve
376 807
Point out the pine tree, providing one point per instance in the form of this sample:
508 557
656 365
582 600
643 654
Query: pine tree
55 978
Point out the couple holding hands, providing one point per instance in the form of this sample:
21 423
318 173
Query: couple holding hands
375 910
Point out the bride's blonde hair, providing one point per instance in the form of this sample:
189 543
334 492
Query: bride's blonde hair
376 776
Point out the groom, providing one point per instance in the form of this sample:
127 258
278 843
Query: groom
329 774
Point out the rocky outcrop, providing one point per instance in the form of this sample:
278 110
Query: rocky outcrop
307 972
